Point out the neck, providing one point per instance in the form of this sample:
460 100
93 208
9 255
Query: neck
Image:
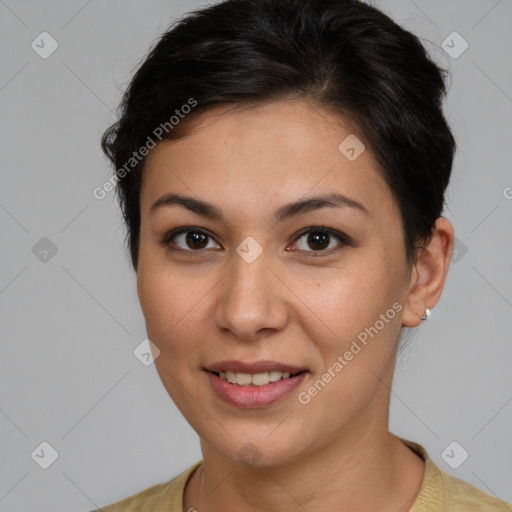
369 471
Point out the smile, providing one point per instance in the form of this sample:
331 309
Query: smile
254 390
256 379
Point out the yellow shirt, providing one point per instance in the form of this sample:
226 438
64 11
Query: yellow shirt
439 492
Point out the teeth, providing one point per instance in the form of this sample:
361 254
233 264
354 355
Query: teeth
243 379
258 379
231 377
275 376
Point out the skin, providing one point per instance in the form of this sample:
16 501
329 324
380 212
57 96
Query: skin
301 307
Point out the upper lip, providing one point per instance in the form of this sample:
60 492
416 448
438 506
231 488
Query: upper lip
255 367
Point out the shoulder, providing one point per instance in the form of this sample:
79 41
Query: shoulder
462 496
165 496
145 500
442 491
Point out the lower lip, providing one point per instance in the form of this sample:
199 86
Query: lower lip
251 395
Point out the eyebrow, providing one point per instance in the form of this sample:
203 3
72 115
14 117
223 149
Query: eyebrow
308 204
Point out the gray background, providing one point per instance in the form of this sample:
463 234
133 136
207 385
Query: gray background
70 323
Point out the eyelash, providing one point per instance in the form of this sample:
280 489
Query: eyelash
344 239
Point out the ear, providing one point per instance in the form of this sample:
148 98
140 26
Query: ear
429 273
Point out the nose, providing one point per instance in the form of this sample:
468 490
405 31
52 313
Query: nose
252 300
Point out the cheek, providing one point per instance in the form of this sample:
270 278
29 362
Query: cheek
174 311
171 313
355 331
161 296
154 297
347 301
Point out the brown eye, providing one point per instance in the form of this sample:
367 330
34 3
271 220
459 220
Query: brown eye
196 240
187 239
320 240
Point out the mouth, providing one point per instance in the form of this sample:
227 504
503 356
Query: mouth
258 373
257 384
255 379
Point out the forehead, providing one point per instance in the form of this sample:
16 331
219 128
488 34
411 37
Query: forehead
266 154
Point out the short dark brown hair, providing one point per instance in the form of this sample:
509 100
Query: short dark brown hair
346 55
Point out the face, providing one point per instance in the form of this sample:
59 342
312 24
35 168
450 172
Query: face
318 286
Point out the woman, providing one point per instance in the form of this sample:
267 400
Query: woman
281 167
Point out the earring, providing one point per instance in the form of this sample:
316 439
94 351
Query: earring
426 315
